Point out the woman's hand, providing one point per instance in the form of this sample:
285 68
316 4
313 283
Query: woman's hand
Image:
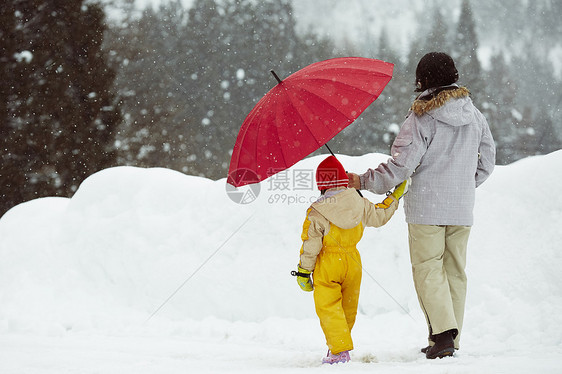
354 181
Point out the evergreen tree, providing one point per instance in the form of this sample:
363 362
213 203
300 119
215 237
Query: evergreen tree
11 138
416 52
465 52
540 109
550 20
240 43
379 123
8 49
62 112
189 77
500 108
152 85
438 40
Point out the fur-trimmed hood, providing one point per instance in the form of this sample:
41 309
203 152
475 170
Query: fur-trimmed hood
451 105
422 105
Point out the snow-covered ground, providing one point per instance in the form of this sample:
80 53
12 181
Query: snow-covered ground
81 277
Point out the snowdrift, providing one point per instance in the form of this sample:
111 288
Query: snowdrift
134 243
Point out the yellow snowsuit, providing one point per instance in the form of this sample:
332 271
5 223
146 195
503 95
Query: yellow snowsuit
332 228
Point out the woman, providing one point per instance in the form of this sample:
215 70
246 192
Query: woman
446 147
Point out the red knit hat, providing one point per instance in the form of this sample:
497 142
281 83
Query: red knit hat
330 174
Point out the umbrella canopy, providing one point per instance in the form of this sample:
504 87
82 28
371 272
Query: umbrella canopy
302 113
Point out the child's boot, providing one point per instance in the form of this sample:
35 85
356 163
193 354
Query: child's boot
336 358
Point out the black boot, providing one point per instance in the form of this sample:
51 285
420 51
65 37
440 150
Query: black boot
431 340
444 345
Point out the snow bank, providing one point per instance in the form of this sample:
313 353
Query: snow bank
112 255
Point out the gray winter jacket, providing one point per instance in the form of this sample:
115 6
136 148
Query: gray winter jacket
446 146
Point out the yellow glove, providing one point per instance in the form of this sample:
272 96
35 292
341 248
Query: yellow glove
401 189
303 279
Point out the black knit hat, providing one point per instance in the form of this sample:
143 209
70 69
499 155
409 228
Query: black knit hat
435 69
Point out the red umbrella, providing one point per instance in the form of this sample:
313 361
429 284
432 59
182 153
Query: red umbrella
302 113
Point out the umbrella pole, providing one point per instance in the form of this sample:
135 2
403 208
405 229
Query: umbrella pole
276 77
359 192
330 150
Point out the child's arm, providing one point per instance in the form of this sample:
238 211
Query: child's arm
312 232
377 215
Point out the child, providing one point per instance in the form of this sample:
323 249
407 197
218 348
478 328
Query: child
333 226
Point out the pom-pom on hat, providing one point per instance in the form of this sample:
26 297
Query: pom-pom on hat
331 174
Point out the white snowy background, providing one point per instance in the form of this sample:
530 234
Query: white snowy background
81 277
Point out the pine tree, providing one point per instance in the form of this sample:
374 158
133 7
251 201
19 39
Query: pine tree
500 108
535 75
11 139
209 46
189 77
438 40
378 124
465 52
416 52
62 110
8 49
152 85
232 46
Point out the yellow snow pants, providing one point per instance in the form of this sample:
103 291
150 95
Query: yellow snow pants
337 280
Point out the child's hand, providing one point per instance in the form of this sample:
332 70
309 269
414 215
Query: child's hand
303 279
401 189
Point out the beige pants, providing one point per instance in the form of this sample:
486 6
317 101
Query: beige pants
438 256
